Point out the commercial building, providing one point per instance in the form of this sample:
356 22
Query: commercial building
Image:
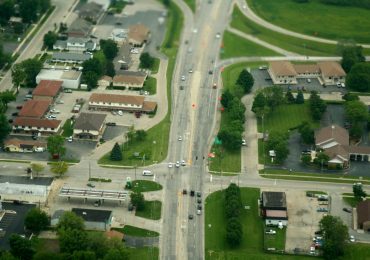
138 35
90 11
89 126
71 79
47 90
79 28
363 215
76 44
95 219
35 108
274 208
21 146
70 57
130 79
36 126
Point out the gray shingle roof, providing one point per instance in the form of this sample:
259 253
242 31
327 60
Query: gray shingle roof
90 121
93 215
71 56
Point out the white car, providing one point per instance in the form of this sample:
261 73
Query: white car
199 212
218 35
343 85
170 165
120 113
39 149
180 138
339 85
183 163
195 30
244 143
191 71
70 139
177 164
51 117
352 239
183 78
54 111
271 232
60 102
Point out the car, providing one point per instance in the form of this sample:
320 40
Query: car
170 165
339 85
262 67
10 121
342 85
244 143
199 207
39 149
190 50
318 232
347 210
179 138
210 72
191 216
199 212
195 30
218 35
271 232
91 185
191 71
183 78
183 163
214 86
54 111
19 107
34 137
137 114
60 102
30 96
184 192
68 90
51 117
312 250
192 193
199 201
177 164
17 202
120 113
97 203
308 80
114 112
15 114
352 238
147 173
199 194
181 87
70 139
118 23
111 124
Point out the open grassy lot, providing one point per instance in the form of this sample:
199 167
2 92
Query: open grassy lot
67 128
313 18
357 251
285 117
143 253
231 162
150 85
144 186
252 243
191 4
236 46
152 210
277 240
136 231
155 66
288 43
351 201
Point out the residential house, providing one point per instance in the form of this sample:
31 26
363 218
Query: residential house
70 79
331 72
47 90
79 28
123 60
130 79
274 208
34 108
363 215
121 102
138 35
21 146
282 72
89 126
91 11
119 35
35 126
95 219
70 57
105 81
77 45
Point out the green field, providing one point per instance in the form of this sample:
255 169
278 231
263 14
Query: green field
143 253
286 117
155 66
252 243
316 19
236 46
357 251
152 210
231 162
136 231
67 128
145 186
150 85
277 240
191 4
351 201
285 42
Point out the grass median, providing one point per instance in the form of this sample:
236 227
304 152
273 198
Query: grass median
145 186
152 210
191 4
136 231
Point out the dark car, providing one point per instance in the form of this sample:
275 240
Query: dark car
111 124
184 192
199 201
34 137
347 210
130 207
191 216
210 72
318 232
19 107
199 194
15 114
91 185
192 193
10 121
199 207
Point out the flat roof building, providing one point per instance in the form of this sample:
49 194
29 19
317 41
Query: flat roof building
71 79
95 219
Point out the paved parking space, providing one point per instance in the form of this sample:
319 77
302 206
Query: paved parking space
112 132
261 78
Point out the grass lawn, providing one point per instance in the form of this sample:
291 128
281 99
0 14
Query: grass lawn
312 18
276 241
143 253
351 201
231 162
150 85
252 243
144 186
287 116
152 210
191 4
236 46
357 251
136 231
67 128
288 43
155 66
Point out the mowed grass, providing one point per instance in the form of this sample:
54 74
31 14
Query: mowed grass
143 253
145 186
231 162
150 85
152 210
251 247
155 66
316 19
136 231
236 46
67 128
357 251
191 4
277 240
287 116
289 43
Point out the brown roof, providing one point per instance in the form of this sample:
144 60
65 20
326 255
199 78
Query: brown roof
339 152
112 98
276 214
149 106
35 122
107 78
114 234
18 142
332 133
282 68
359 149
35 108
331 68
363 212
49 88
129 79
306 68
138 32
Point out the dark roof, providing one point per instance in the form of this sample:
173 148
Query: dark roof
274 199
363 212
90 121
93 215
46 181
71 56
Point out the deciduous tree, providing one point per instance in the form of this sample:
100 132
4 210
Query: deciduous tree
50 38
358 192
36 220
351 55
55 145
70 220
5 128
109 48
300 97
245 80
21 247
358 78
137 199
59 168
37 168
307 133
146 61
226 98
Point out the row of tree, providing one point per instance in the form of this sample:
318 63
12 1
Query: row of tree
233 207
278 142
357 115
267 100
25 72
4 57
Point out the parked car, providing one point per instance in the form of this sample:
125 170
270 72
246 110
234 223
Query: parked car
15 114
111 124
130 207
51 117
54 111
97 203
347 210
60 102
170 165
199 207
10 121
199 212
192 193
352 238
183 163
68 90
39 149
191 216
244 143
199 200
19 107
70 139
271 232
184 192
214 86
91 185
199 194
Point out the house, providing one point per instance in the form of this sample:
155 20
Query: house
35 108
274 208
47 90
21 146
91 12
35 126
95 219
76 44
331 72
79 28
110 102
105 81
89 126
130 79
70 57
363 215
138 35
119 35
282 72
70 79
123 60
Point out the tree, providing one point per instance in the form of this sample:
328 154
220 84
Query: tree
307 133
350 97
245 80
335 237
5 128
289 97
6 11
356 111
109 69
351 55
31 68
356 130
18 75
59 168
55 144
234 232
278 142
274 96
259 102
36 220
28 10
321 159
6 255
95 65
50 38
141 135
109 48
91 79
300 97
317 106
137 200
98 244
4 58
358 78
70 220
6 97
306 158
237 110
71 240
83 255
37 168
358 191
42 255
146 61
44 5
21 247
116 153
226 98
117 254
231 138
